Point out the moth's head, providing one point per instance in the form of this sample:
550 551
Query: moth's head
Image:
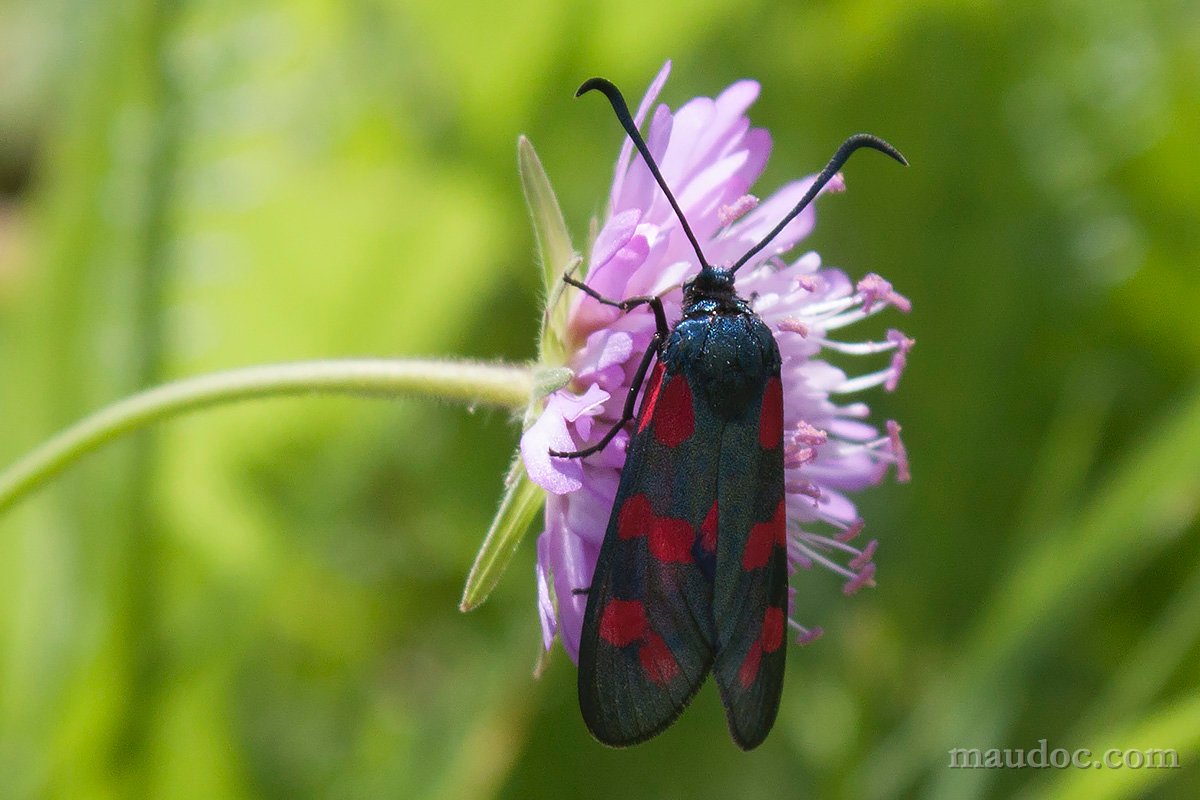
711 283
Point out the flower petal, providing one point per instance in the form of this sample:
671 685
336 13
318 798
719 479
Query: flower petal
622 167
748 231
556 475
603 359
615 234
545 592
640 190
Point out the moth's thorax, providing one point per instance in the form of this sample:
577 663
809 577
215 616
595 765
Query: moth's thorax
712 292
726 349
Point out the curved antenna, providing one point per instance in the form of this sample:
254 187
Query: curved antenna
839 158
622 111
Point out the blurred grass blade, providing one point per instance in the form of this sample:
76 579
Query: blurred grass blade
522 500
480 760
1176 727
1054 491
1144 505
1168 640
553 244
1140 509
1069 449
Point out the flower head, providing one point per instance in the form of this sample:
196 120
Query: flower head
710 157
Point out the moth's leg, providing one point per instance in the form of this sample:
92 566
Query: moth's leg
630 402
655 303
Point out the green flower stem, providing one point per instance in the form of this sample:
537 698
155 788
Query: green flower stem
503 385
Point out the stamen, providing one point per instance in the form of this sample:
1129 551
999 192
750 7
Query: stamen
864 558
900 340
829 306
884 451
875 289
798 558
852 530
807 434
853 411
868 304
809 283
866 577
861 348
813 556
806 635
737 209
900 359
825 543
870 380
804 488
898 452
835 321
793 325
794 456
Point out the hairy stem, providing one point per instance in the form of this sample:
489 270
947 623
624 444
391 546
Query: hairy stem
503 385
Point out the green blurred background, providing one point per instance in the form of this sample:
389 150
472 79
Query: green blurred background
260 601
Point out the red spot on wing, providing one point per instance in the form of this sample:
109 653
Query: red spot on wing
650 398
749 669
623 622
769 640
772 630
770 421
636 517
671 540
708 530
763 538
674 418
657 660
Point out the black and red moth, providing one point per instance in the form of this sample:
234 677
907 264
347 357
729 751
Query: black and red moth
692 575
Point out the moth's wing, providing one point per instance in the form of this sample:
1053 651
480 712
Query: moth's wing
648 638
750 589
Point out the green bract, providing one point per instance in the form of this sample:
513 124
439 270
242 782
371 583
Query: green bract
522 498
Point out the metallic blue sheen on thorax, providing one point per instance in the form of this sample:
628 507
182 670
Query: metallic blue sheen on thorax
724 348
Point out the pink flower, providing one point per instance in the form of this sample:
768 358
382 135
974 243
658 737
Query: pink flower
710 157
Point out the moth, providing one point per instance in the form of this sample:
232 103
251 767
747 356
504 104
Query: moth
692 574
